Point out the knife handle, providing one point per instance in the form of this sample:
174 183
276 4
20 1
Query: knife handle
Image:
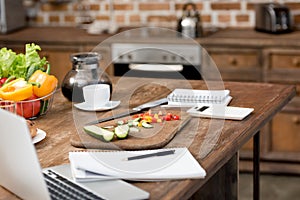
123 114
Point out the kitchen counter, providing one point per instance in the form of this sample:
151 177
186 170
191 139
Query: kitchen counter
76 36
250 37
51 35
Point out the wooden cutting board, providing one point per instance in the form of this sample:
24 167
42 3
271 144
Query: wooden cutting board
151 138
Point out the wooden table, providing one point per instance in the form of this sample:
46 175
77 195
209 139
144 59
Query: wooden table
214 143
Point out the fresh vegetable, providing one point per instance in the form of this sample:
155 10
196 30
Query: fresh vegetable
120 122
176 117
2 81
154 118
122 131
134 129
7 60
46 83
21 65
126 126
98 132
147 124
16 90
30 108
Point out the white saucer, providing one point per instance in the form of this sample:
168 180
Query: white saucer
39 136
86 107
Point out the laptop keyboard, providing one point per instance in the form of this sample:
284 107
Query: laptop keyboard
61 188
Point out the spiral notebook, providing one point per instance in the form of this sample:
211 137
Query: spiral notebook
87 166
190 97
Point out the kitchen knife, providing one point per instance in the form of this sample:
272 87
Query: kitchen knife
132 111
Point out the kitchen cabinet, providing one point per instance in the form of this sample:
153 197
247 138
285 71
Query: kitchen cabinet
237 64
282 65
286 123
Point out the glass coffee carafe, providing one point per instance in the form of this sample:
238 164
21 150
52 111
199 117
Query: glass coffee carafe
85 71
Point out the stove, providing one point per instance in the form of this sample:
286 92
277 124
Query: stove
157 60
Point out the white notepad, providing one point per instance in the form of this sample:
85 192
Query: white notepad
220 112
190 97
112 165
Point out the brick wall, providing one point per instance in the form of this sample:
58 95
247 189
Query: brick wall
164 13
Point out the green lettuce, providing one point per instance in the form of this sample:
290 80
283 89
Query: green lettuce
7 58
32 57
18 65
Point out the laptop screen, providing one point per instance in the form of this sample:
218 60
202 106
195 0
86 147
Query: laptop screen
20 171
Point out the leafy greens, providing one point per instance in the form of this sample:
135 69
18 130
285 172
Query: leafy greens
18 65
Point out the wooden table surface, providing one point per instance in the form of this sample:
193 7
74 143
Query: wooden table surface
212 142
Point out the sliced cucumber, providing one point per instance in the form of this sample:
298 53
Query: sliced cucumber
130 123
122 131
147 125
98 132
138 119
134 129
108 127
135 123
121 122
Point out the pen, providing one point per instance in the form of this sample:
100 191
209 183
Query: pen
161 153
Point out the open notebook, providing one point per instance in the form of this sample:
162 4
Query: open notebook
113 165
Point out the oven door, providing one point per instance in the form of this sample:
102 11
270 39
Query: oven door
173 71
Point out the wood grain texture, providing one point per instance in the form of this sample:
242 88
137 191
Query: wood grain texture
212 142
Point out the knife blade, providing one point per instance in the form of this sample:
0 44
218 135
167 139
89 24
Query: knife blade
132 111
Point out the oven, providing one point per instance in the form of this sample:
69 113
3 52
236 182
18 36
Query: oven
153 60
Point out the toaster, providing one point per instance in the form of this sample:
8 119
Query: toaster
12 15
273 18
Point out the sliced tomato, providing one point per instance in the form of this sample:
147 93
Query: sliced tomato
176 117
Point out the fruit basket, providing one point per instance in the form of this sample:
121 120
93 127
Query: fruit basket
25 80
35 107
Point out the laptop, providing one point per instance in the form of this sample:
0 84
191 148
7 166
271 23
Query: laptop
21 173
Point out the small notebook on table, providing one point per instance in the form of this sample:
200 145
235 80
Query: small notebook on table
180 164
189 97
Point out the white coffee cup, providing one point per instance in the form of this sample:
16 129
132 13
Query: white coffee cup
96 95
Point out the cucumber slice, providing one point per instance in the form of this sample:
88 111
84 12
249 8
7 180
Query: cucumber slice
138 119
147 125
130 123
121 122
135 123
108 127
122 131
134 129
98 132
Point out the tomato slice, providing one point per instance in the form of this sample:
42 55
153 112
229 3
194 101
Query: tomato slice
176 117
